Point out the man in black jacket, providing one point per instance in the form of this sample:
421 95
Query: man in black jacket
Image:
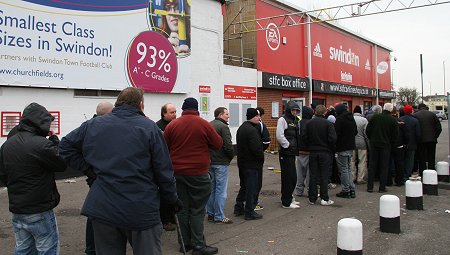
382 132
28 162
302 161
320 137
287 136
250 159
398 153
431 129
346 131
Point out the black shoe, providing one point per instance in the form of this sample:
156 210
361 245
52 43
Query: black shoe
352 194
204 250
344 194
187 248
238 213
370 190
254 216
382 191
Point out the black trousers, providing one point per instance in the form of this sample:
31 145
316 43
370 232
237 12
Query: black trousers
248 192
427 156
398 155
288 178
379 161
320 164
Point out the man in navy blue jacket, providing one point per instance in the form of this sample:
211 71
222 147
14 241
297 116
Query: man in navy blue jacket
127 153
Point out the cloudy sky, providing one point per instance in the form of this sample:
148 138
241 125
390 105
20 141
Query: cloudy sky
408 33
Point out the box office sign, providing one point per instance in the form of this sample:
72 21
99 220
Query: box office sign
342 89
389 94
239 92
279 81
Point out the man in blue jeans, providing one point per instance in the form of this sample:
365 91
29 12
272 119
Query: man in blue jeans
220 160
28 161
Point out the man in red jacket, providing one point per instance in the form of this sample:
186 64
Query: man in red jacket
189 139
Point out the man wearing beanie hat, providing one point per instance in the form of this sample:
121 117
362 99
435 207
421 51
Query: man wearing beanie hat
413 127
189 139
287 136
346 131
431 128
250 159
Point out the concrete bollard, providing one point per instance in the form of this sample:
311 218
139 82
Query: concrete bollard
443 171
390 214
349 237
430 182
414 194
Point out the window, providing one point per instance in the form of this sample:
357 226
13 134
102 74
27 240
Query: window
9 121
234 115
95 93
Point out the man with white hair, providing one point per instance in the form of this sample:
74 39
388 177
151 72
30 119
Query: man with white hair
382 132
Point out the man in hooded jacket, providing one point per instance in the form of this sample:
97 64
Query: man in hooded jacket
28 162
302 161
287 136
346 131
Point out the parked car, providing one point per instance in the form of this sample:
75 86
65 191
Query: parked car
441 116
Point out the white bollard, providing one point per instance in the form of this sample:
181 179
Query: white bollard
390 214
414 194
430 182
349 237
443 171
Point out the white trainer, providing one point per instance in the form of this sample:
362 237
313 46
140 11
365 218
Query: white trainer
329 202
295 202
291 206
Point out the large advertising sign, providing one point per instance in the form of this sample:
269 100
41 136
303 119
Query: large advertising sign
342 89
383 69
283 46
286 82
339 57
96 44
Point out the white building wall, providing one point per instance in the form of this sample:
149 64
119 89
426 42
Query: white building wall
206 68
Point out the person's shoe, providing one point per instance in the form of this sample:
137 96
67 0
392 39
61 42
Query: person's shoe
291 206
352 194
295 202
344 194
382 191
258 207
169 227
370 190
331 185
187 248
238 213
223 221
361 182
254 216
204 250
311 202
210 218
325 203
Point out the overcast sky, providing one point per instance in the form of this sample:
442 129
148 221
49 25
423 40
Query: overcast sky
408 33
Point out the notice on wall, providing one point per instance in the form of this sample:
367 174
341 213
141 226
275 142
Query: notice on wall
97 44
239 92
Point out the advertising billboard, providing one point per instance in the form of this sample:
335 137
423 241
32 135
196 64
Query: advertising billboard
96 44
283 46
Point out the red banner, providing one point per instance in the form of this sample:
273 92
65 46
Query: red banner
280 51
239 92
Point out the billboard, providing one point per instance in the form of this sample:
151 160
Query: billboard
284 46
96 44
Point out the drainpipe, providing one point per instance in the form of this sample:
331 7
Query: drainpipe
308 28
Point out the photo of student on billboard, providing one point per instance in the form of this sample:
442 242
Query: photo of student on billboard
172 19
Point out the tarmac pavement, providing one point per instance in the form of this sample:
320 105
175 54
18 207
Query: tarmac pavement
311 229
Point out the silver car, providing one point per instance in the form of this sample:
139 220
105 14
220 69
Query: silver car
441 116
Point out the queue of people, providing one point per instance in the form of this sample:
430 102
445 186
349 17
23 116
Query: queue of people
145 176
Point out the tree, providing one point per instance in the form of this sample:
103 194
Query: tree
407 96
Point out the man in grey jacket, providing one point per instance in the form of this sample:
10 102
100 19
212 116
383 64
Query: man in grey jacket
220 160
359 158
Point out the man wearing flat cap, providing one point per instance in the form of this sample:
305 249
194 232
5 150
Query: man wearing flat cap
189 139
250 159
